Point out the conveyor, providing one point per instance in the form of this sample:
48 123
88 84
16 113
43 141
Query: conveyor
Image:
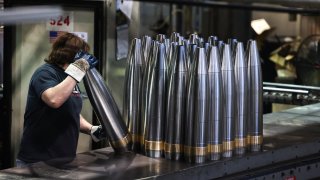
291 150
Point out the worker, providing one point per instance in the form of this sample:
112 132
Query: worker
52 119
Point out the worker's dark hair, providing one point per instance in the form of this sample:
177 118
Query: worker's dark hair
65 48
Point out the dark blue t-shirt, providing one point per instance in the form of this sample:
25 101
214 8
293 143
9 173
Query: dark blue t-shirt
49 133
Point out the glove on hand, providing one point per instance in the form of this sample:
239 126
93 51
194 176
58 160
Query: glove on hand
83 61
93 61
97 133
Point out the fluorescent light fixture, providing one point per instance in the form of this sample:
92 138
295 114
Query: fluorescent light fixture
260 25
29 14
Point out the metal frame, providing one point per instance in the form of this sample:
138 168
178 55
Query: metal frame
236 5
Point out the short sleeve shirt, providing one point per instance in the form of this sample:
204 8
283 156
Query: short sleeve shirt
49 133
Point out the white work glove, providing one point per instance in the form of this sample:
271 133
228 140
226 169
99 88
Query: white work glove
83 62
97 133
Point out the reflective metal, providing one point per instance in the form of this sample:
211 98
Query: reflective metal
229 99
176 106
255 129
156 105
107 111
180 41
170 55
144 95
161 38
174 37
233 44
146 43
220 46
191 55
206 46
213 40
241 80
215 105
167 45
193 39
132 90
195 148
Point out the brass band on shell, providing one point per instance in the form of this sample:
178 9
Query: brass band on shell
153 145
136 138
240 142
248 140
256 139
141 139
227 145
199 151
187 150
170 148
214 148
122 142
195 151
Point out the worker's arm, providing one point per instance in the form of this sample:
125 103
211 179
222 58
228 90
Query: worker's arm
57 95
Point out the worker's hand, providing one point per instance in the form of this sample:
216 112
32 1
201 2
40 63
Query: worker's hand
92 61
82 62
97 133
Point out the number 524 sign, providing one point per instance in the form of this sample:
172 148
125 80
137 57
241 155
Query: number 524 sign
61 23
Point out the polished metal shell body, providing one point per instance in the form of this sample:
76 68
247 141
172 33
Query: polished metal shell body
213 40
195 148
154 135
107 111
176 106
220 46
193 39
215 105
241 80
174 37
146 44
144 95
255 129
160 38
170 55
191 55
229 99
132 90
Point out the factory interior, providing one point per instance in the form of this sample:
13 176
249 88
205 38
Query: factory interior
285 89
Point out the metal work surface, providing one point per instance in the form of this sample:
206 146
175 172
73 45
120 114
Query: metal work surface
289 136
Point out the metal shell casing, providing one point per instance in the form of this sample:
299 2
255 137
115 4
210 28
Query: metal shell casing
228 77
107 111
215 105
191 48
146 44
170 55
213 40
195 148
154 134
241 80
144 95
176 106
132 90
255 124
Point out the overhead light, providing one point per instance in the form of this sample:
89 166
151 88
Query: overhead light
260 25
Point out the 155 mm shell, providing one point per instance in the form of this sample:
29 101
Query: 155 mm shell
107 111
